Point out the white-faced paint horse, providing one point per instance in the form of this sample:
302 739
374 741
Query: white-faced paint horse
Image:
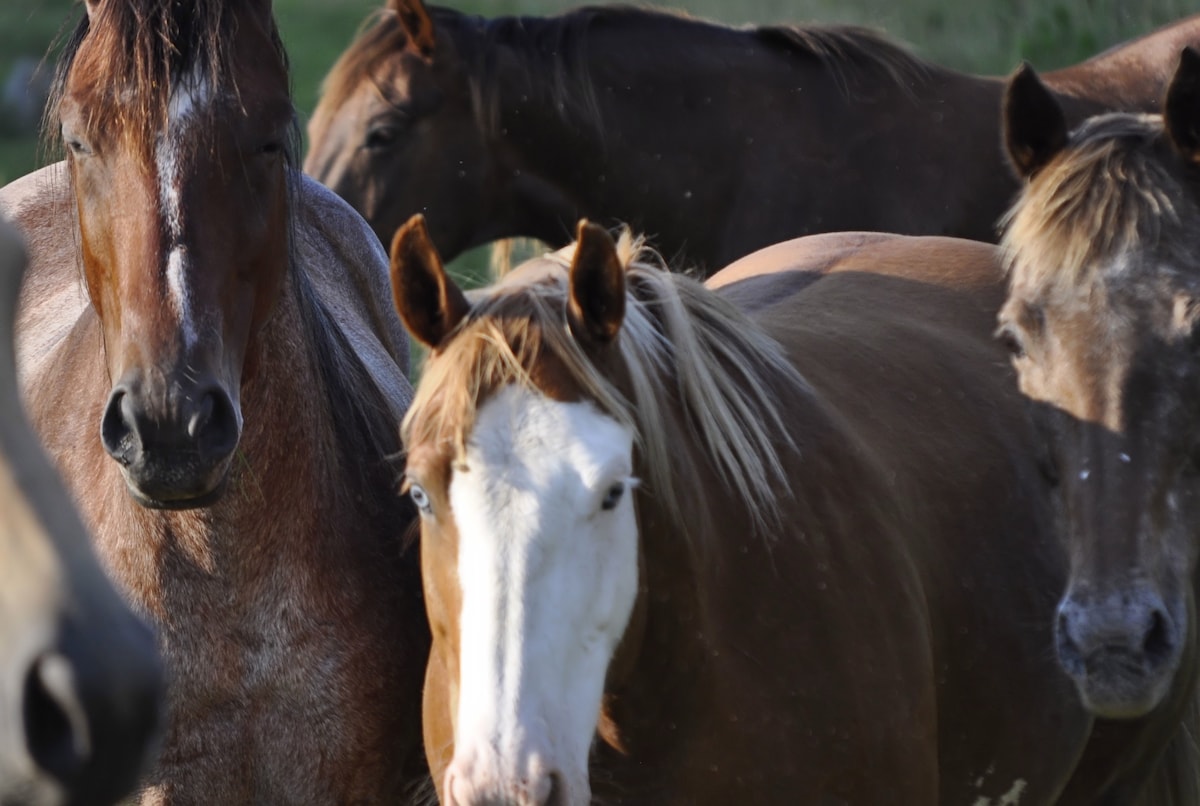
201 350
785 541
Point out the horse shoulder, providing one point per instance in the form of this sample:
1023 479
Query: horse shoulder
53 299
349 271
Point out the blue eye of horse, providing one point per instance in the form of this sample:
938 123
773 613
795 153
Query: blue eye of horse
613 496
420 498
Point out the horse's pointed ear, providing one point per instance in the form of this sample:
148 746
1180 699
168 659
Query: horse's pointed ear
1182 108
596 306
92 6
417 23
1035 128
429 303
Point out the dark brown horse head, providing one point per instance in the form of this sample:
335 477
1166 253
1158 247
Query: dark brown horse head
1103 322
396 105
177 134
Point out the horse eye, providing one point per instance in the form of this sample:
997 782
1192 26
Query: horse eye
1011 342
77 147
382 136
613 496
420 498
271 148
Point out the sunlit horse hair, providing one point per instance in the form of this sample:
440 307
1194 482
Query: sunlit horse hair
712 356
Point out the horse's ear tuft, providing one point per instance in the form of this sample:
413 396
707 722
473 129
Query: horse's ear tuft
1035 128
417 24
596 306
429 303
1181 111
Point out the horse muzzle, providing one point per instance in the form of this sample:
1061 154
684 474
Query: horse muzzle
84 723
175 445
1121 650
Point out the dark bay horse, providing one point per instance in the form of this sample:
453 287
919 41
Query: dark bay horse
80 680
201 350
521 125
1103 323
743 545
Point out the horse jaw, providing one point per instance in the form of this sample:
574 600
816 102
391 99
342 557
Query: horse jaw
548 571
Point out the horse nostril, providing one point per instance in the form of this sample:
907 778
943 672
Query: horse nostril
117 431
214 425
1158 644
557 795
201 417
56 724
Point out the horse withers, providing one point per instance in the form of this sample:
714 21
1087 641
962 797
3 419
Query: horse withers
80 679
200 349
737 544
519 126
1103 253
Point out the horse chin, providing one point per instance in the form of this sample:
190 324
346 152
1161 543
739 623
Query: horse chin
162 497
1115 688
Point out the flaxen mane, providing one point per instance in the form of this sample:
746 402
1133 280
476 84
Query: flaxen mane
556 51
679 342
1111 191
145 49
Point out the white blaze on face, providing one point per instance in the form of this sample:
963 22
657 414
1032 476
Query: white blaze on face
548 568
187 100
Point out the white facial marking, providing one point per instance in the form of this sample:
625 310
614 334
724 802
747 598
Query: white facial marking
186 100
548 569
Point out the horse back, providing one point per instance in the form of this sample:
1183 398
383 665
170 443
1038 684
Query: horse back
894 334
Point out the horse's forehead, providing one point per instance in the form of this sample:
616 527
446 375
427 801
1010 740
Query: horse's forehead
533 272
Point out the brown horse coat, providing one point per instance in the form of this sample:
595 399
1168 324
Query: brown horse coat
886 640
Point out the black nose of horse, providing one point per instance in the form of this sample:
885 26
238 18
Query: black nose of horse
173 445
1118 648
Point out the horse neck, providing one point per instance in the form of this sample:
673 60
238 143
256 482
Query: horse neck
564 156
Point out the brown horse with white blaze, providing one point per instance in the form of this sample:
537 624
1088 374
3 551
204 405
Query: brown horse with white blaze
80 680
737 544
1103 252
519 126
201 351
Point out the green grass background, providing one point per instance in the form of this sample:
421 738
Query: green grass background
985 36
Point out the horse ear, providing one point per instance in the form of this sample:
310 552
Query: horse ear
429 303
1035 128
417 23
92 6
1182 108
596 306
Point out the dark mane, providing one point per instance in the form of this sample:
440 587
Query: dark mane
145 48
557 49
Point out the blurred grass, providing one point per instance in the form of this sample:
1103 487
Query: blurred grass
985 36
